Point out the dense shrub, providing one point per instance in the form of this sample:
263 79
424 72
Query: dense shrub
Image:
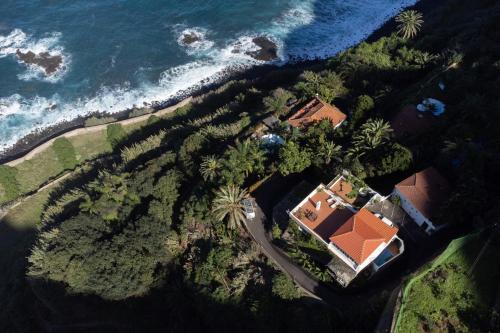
363 104
101 243
276 102
9 187
190 148
395 158
327 84
293 159
152 120
65 153
115 134
284 287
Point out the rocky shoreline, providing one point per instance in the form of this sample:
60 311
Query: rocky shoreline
267 52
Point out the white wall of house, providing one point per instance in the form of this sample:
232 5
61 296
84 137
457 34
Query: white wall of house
351 263
336 126
335 250
401 250
414 213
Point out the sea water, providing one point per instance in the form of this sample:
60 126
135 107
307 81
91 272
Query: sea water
120 53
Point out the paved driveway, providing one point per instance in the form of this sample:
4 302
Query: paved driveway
302 278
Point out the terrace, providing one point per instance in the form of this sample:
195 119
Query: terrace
352 191
336 215
321 213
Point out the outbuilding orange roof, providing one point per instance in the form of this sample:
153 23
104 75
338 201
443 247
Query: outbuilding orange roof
316 110
362 234
426 190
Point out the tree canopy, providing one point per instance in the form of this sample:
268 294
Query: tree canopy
93 250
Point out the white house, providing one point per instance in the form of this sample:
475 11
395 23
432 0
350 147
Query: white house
357 237
422 195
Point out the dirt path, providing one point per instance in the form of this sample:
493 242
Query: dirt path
4 211
97 128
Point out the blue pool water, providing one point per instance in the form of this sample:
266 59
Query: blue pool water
119 53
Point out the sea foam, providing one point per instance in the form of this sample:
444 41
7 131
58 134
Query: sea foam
200 45
306 29
50 43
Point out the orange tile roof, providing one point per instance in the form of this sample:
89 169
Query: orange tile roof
361 234
426 190
316 110
327 219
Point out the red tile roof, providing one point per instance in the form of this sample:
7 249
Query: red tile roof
316 110
361 234
426 190
327 219
409 121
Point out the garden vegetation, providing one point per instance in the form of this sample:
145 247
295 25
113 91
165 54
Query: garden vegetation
153 236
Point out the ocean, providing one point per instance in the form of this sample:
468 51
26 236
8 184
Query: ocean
110 55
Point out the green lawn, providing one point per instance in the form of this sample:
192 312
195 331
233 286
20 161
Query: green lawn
36 171
445 298
33 173
90 145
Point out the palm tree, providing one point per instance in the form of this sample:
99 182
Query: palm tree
373 133
210 167
409 23
227 205
276 102
328 151
247 156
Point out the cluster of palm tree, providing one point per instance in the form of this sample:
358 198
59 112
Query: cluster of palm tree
276 103
223 131
409 23
328 151
210 118
246 156
372 134
152 142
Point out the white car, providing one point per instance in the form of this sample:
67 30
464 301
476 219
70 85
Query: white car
249 208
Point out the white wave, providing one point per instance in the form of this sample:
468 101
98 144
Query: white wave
10 43
236 50
339 26
21 116
301 13
18 40
202 43
321 29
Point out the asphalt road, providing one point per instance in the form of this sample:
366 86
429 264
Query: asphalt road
303 279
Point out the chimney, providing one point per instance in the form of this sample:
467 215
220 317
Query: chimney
318 205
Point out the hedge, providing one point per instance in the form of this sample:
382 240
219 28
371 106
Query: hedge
65 153
115 134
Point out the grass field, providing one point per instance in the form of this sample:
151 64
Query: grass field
90 145
445 297
44 166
